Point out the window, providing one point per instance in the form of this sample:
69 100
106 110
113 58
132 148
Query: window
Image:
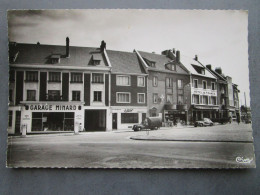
31 95
97 78
172 67
213 100
205 99
76 78
129 118
203 71
10 95
97 96
141 98
152 64
140 81
31 76
54 77
123 98
180 84
75 95
213 86
10 118
155 81
123 80
155 98
96 62
169 98
196 99
195 83
168 82
204 83
180 99
54 95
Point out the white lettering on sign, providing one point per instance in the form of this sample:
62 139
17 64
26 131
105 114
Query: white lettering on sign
204 92
53 107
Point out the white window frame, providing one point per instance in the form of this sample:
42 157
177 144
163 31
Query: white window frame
214 85
194 83
155 81
138 98
123 76
203 84
123 93
193 99
181 84
138 82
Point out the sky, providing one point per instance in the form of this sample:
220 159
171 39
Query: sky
218 37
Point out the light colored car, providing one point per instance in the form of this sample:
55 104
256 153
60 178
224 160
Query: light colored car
204 122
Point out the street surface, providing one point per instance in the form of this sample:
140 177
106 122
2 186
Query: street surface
229 146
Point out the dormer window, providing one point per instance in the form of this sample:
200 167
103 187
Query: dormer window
55 59
203 71
95 59
96 62
170 67
149 63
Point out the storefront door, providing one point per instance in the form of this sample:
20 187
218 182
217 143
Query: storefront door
114 125
17 122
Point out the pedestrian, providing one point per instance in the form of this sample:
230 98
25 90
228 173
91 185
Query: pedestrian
229 118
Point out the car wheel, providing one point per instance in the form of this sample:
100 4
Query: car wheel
211 124
201 125
195 125
155 128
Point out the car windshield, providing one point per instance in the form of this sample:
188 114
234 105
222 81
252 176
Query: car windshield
206 120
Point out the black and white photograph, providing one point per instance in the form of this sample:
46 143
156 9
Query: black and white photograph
129 88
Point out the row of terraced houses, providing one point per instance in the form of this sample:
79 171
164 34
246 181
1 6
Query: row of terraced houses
61 88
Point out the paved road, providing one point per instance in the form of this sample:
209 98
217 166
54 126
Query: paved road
117 150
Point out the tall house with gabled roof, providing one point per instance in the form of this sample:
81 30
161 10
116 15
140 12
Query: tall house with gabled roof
204 94
58 88
128 90
168 85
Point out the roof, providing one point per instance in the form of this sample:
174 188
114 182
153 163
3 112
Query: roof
160 60
125 62
189 63
41 54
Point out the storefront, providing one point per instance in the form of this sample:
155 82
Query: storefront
200 112
176 114
125 118
49 117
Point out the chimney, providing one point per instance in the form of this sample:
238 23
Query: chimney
178 58
165 52
103 45
173 50
196 58
208 66
218 70
67 47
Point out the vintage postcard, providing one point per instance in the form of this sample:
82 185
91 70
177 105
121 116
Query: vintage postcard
129 89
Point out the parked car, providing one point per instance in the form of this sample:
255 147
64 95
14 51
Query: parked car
204 122
152 123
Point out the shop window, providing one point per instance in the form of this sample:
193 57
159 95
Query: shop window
155 81
97 78
195 83
155 98
31 95
196 99
213 86
76 78
54 95
97 96
180 99
141 98
169 98
31 76
168 82
123 98
123 80
54 77
129 118
75 95
10 118
205 99
204 84
140 81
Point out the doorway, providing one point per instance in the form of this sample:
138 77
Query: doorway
17 122
95 120
114 118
